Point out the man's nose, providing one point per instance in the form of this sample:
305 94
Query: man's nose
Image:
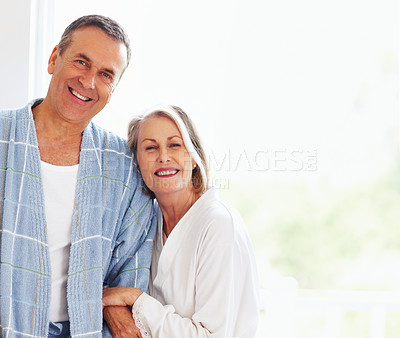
88 79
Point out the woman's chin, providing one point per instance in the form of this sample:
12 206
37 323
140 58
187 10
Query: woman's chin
169 190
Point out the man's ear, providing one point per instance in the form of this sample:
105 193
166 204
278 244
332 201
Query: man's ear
112 92
52 60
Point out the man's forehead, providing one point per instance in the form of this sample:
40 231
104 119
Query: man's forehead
96 45
82 34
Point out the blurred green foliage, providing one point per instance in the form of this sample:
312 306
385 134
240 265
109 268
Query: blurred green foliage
325 236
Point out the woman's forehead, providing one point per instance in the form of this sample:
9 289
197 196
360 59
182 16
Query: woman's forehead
158 125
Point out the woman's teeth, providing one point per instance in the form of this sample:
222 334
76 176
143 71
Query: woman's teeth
166 172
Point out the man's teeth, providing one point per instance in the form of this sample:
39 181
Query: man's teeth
166 172
79 96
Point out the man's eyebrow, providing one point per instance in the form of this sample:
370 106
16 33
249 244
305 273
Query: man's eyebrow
83 56
86 58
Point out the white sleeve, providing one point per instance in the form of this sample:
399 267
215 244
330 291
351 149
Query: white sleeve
226 303
156 320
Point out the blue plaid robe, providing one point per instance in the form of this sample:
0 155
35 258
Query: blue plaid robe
111 236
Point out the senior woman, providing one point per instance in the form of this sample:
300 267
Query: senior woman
203 274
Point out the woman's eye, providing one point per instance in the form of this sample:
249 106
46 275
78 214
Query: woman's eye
173 145
150 148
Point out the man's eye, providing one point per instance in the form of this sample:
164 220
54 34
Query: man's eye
81 64
107 77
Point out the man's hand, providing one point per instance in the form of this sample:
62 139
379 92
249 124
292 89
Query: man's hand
120 322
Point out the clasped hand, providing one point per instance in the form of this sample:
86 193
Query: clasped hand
116 312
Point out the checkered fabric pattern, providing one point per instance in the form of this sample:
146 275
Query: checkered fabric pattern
111 237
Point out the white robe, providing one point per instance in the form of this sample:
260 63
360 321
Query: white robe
204 279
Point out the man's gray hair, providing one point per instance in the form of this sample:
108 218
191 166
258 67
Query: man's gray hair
107 25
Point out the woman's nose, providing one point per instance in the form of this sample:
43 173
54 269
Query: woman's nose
164 156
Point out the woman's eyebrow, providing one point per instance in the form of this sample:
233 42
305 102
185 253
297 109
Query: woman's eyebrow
153 140
171 137
149 139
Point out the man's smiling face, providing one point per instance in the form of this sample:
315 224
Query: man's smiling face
85 75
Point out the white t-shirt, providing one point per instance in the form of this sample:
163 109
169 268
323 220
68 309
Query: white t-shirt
59 183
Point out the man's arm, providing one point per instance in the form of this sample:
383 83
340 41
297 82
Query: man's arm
120 322
130 264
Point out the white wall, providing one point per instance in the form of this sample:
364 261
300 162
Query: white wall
26 40
14 53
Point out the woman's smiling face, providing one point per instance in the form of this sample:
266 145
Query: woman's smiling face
164 162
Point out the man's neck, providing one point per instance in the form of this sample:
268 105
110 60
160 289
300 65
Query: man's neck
59 142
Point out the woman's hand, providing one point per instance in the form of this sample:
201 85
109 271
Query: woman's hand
120 295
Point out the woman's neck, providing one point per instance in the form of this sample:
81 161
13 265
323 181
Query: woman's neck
174 207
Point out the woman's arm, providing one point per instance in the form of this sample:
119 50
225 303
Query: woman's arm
225 301
226 298
213 304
